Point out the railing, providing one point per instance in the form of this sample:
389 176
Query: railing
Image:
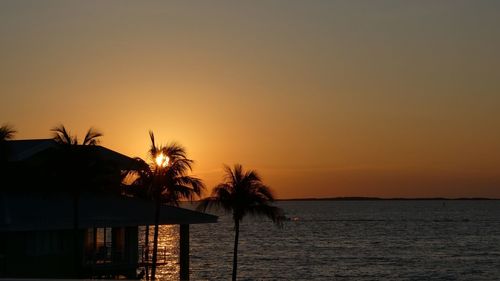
107 264
103 254
161 256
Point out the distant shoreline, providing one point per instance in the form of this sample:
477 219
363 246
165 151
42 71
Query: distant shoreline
354 198
386 199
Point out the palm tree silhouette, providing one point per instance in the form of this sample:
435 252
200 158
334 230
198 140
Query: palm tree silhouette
74 165
73 160
63 137
7 133
242 193
166 181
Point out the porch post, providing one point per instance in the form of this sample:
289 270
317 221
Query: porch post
184 252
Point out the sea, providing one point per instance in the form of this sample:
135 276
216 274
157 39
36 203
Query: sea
348 240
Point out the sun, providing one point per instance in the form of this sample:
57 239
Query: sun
162 160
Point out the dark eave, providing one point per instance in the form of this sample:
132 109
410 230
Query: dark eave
28 212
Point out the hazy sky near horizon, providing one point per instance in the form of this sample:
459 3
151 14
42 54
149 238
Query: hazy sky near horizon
324 98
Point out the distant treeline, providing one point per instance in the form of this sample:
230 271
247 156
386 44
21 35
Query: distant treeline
378 198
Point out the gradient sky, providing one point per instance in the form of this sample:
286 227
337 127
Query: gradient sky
323 98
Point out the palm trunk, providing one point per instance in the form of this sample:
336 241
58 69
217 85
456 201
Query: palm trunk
235 252
146 252
155 239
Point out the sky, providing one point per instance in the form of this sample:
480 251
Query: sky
322 98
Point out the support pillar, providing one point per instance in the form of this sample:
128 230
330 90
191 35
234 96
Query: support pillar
184 252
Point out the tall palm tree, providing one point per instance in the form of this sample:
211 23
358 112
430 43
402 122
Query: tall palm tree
73 164
241 193
166 181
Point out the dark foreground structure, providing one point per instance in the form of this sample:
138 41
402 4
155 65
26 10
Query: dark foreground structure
37 227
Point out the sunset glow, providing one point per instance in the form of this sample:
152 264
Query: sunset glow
162 160
323 98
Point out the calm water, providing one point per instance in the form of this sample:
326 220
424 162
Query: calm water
351 240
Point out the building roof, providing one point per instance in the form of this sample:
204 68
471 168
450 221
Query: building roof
24 211
27 212
23 150
20 150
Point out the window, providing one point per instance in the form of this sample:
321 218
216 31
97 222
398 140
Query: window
98 244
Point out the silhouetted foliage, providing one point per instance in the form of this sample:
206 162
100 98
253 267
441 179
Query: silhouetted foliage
7 132
75 169
242 193
165 184
63 136
75 164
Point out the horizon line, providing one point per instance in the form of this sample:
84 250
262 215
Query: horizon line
368 198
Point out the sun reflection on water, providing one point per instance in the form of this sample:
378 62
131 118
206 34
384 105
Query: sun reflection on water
168 251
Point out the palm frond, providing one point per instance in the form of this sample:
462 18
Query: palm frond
7 132
207 203
62 136
274 213
243 193
152 137
211 203
194 183
173 182
264 192
180 165
92 137
229 176
153 149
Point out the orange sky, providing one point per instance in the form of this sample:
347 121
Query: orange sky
324 98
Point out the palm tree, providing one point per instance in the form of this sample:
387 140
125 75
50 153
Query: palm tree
166 181
7 132
72 158
63 137
74 167
242 193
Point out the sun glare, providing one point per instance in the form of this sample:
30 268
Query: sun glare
162 160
